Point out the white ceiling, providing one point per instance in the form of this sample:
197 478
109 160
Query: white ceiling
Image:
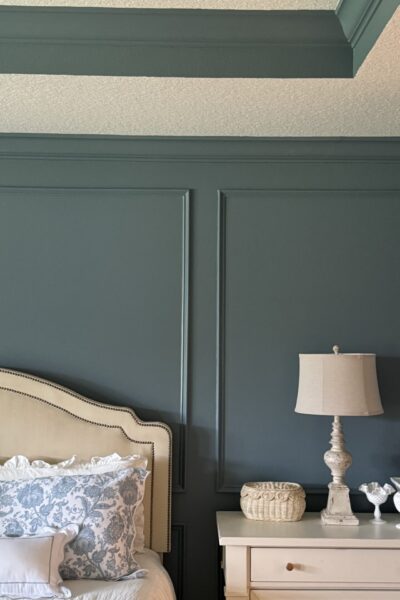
368 105
214 4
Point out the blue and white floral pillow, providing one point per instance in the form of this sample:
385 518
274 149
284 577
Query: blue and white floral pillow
20 467
102 505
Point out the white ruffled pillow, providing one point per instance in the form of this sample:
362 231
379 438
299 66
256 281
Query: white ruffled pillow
29 565
21 468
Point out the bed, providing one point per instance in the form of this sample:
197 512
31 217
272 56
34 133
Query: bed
41 419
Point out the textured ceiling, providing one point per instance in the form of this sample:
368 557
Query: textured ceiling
368 105
221 4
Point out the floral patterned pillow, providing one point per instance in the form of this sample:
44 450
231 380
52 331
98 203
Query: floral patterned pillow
20 467
103 505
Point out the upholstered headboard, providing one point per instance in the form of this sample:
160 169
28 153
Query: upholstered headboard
41 419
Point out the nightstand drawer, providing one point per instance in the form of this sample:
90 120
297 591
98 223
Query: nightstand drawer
325 565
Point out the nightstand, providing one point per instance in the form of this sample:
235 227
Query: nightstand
306 560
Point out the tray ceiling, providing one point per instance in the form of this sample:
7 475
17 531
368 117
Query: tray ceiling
205 4
368 105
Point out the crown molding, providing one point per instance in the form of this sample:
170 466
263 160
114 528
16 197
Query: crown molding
173 42
363 22
191 42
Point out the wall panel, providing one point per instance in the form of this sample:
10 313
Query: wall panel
193 310
85 272
298 269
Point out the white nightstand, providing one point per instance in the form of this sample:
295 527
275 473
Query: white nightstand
306 560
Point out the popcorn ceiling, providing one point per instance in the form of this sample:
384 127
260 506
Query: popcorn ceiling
368 105
214 4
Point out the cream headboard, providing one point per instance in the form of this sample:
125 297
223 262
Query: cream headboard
41 419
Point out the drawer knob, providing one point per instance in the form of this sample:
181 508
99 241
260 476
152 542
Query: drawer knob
289 567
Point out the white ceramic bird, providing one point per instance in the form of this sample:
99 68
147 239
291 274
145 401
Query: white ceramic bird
377 495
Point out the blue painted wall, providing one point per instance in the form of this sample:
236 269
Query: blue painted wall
183 277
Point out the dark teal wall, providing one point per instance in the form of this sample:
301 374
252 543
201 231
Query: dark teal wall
183 277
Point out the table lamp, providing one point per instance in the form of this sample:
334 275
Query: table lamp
338 385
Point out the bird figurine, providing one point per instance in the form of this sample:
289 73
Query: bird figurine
377 495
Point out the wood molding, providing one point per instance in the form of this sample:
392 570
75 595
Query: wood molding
173 42
220 344
191 42
154 149
181 487
363 22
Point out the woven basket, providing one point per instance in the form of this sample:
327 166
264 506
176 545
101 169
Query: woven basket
273 501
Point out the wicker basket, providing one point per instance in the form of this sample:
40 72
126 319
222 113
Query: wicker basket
273 501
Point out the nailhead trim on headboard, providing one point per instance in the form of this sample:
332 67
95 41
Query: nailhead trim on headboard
126 410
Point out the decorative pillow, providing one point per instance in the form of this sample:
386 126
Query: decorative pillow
21 468
103 505
29 566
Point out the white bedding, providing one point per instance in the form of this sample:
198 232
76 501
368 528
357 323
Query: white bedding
156 585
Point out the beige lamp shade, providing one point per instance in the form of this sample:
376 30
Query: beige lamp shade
338 385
